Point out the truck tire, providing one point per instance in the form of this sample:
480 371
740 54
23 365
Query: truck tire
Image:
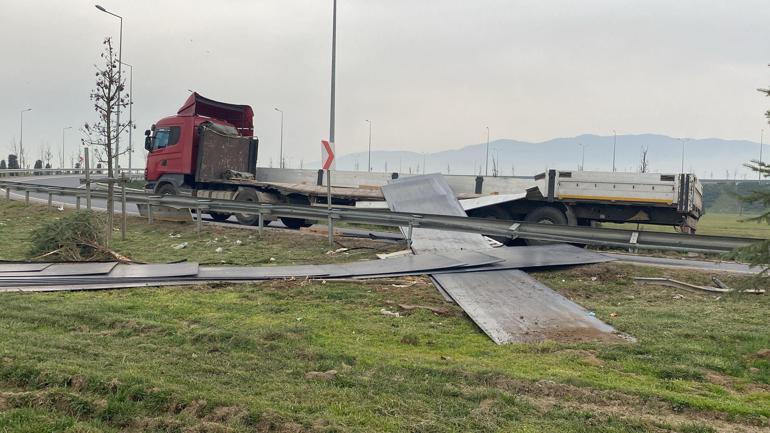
219 217
166 189
545 215
295 223
248 195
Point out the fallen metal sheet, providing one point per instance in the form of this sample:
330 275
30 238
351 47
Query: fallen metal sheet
165 213
66 269
539 256
161 270
411 265
260 272
667 262
431 194
23 267
687 286
509 305
512 307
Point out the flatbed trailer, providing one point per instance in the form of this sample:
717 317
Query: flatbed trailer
208 150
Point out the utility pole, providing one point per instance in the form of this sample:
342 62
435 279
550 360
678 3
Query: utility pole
583 158
486 160
280 161
21 138
614 147
331 124
370 146
61 165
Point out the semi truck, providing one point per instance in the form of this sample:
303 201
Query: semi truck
208 149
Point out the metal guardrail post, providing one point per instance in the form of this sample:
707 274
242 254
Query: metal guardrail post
7 192
26 197
88 178
409 235
149 211
123 207
77 203
261 223
329 206
50 198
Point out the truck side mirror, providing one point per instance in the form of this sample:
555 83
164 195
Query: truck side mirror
148 143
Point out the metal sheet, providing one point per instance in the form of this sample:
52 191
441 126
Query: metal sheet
512 307
23 267
537 257
66 269
431 194
667 262
414 265
163 270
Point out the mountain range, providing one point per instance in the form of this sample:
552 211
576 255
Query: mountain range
708 158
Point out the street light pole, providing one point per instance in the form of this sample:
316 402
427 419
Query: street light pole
120 78
761 145
62 145
130 114
370 146
683 140
583 158
614 147
280 161
331 123
21 137
486 160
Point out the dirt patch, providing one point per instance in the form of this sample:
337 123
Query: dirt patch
78 382
579 335
195 408
319 375
586 356
763 354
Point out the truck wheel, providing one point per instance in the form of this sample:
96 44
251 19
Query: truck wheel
295 223
219 217
166 189
248 195
545 215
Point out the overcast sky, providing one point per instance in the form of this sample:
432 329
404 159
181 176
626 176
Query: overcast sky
429 74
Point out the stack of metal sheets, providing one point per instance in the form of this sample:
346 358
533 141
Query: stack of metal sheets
507 304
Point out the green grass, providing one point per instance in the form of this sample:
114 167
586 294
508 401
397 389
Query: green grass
714 224
235 357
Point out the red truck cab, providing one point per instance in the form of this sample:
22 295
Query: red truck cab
172 142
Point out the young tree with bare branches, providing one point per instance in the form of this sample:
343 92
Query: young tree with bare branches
101 135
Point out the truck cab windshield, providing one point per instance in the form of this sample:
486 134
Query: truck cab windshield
165 137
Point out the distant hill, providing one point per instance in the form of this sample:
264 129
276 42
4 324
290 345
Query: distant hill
707 158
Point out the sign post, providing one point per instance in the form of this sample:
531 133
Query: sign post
328 157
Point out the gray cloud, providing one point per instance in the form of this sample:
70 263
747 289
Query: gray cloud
430 74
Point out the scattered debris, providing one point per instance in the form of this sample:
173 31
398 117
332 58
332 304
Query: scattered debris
682 285
219 249
719 283
614 314
175 235
436 310
180 246
394 254
321 375
386 312
678 296
337 251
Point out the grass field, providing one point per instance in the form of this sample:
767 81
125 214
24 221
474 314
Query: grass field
716 224
309 356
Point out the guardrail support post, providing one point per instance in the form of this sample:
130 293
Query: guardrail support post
149 212
88 178
26 197
329 206
50 199
261 223
7 192
77 203
123 206
409 235
198 219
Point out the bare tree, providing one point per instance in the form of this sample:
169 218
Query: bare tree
644 163
45 154
101 135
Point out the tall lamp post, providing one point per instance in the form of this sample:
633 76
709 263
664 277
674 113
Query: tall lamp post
614 147
583 157
369 166
761 145
62 145
130 114
280 161
486 160
21 137
120 77
684 141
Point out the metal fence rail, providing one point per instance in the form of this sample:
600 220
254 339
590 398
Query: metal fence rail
510 229
11 172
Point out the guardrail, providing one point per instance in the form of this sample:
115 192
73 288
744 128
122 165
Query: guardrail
9 172
510 229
